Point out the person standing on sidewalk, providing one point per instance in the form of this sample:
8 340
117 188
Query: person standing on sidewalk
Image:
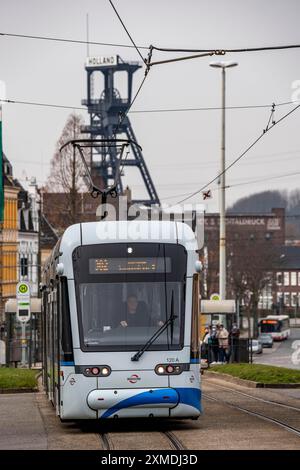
204 344
214 344
234 336
223 338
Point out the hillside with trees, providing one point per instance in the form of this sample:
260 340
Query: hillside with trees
264 201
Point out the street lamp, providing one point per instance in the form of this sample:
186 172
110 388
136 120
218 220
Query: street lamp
222 239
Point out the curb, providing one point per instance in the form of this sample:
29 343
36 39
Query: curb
248 383
18 390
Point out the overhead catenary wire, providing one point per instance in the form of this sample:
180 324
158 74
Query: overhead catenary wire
34 103
138 91
41 104
210 108
71 41
174 196
204 52
264 132
178 59
244 183
122 119
161 49
225 50
210 52
261 180
126 30
141 111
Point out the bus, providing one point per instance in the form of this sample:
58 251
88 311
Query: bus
120 321
278 326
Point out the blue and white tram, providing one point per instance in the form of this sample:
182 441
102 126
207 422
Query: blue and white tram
120 321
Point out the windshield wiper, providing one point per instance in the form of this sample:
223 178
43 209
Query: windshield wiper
146 346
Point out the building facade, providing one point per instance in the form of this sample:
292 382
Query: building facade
19 237
286 292
8 238
243 232
28 237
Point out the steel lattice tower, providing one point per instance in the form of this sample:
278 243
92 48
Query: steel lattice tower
105 111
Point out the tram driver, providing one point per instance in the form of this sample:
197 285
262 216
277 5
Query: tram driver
137 314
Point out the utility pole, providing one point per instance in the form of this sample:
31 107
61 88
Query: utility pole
222 238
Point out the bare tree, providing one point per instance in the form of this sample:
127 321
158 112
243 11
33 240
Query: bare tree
252 264
67 170
212 271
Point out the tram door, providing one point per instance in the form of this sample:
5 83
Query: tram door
49 343
52 342
55 356
53 349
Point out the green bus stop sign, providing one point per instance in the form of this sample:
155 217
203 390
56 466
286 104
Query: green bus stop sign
23 288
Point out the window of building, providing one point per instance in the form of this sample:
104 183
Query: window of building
24 266
29 266
279 279
293 278
286 278
279 297
299 278
287 300
295 300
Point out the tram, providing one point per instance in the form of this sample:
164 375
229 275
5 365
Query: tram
120 304
278 326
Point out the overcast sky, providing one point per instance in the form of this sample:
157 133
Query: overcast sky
182 148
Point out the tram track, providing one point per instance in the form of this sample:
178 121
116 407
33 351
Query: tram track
263 400
106 440
257 414
175 442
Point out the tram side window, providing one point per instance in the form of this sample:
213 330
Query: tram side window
195 319
66 335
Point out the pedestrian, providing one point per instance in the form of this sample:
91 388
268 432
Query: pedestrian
234 342
204 344
223 338
214 344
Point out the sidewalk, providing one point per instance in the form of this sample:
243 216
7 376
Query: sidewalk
21 425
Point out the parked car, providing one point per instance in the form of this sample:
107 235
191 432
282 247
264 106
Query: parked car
256 346
266 340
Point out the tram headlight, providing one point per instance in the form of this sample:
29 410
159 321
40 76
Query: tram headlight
105 371
95 370
170 369
160 370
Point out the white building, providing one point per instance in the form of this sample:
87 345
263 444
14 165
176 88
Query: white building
28 215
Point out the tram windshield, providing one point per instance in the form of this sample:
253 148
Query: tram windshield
123 300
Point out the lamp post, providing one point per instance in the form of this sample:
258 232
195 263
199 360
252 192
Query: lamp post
222 238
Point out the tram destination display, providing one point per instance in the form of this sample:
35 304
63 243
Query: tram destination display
129 265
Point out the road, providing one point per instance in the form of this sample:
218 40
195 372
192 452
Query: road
282 354
28 421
